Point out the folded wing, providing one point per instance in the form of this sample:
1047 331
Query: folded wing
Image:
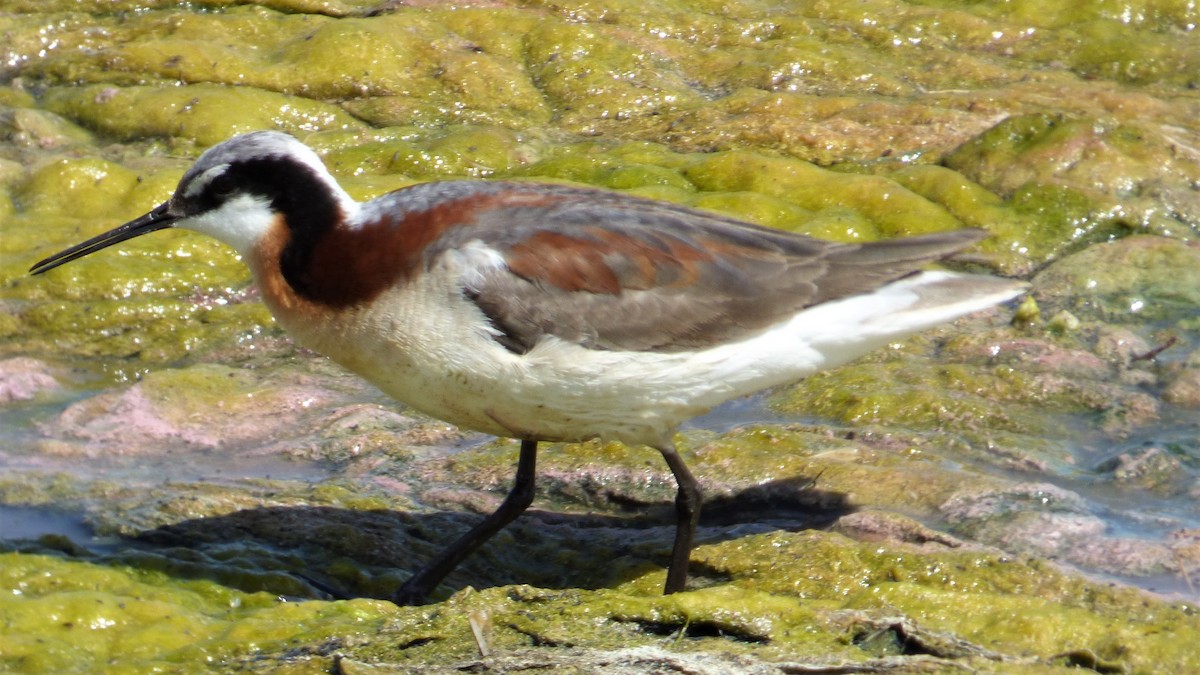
619 273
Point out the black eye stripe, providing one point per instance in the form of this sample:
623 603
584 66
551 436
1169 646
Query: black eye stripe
222 185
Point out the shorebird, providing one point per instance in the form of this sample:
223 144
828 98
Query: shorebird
545 312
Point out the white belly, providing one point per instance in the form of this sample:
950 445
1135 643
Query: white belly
429 347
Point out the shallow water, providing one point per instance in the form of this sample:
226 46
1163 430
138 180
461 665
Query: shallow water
28 522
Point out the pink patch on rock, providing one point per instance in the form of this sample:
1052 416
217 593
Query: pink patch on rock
126 420
22 379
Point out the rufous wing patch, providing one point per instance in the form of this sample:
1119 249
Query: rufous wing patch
598 260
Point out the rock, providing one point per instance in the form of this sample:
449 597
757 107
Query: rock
1150 467
1138 279
23 378
1184 389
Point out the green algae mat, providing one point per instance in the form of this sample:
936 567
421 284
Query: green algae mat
183 490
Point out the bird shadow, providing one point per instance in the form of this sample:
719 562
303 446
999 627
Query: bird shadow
337 553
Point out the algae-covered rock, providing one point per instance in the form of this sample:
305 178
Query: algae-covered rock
42 129
1080 175
1184 389
78 616
93 613
205 113
1142 279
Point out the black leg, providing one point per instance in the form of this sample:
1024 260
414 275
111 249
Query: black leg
415 590
687 512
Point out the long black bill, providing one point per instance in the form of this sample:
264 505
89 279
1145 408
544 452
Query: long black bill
158 219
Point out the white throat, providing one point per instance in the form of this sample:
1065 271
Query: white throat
239 223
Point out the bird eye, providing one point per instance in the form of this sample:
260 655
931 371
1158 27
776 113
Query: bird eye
221 186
